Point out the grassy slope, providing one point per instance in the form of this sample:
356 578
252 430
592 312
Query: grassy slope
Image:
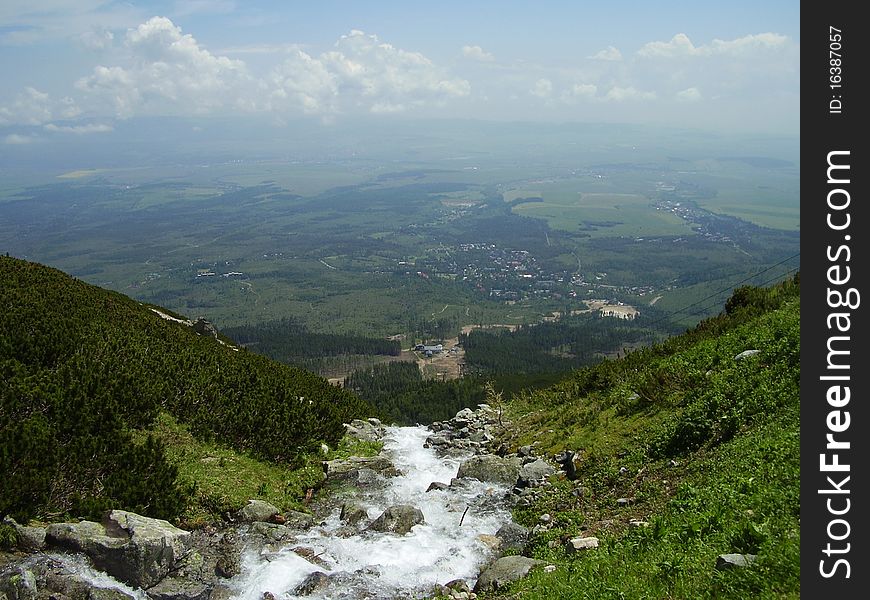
711 448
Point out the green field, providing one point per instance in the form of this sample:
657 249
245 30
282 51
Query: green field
602 214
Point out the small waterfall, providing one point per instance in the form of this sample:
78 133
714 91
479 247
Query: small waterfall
384 565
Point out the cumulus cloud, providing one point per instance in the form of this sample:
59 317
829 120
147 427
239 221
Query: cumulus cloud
622 94
579 91
30 107
543 88
170 72
79 129
691 94
681 45
477 53
362 73
610 53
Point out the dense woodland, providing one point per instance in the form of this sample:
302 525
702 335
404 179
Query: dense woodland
557 346
400 393
290 341
85 371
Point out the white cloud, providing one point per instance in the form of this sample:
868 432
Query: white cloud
79 129
30 107
361 73
579 91
477 53
95 39
748 44
610 53
543 88
681 45
169 73
691 94
622 94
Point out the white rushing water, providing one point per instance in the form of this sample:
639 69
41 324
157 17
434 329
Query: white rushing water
386 565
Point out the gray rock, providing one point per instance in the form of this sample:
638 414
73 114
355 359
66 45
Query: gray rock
222 592
465 414
228 562
581 543
30 539
624 501
437 485
257 510
491 469
18 583
271 533
364 430
746 354
458 585
352 513
513 537
298 520
174 588
534 473
202 326
136 550
45 576
109 594
348 469
504 571
315 582
398 519
490 541
725 562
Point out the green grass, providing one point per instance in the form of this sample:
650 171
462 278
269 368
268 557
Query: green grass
602 213
732 430
223 480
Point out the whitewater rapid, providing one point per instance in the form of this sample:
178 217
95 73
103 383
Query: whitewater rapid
387 565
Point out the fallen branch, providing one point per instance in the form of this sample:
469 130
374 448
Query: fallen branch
463 515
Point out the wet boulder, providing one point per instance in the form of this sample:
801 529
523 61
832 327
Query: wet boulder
398 519
257 511
367 431
491 469
349 469
174 588
136 550
352 513
315 582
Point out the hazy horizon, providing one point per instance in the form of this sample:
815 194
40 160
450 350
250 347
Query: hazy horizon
75 73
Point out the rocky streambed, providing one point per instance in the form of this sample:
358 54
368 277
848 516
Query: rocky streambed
430 514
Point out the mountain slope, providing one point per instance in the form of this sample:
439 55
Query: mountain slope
685 451
84 372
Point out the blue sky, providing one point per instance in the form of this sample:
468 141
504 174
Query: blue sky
77 67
